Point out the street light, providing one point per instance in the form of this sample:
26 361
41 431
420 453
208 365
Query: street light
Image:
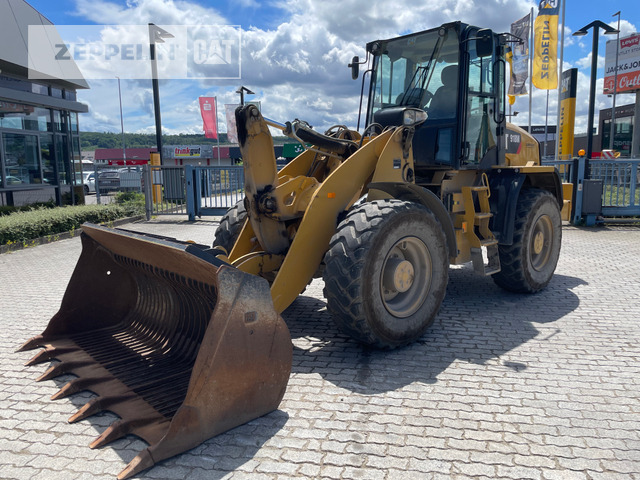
242 90
596 25
156 35
124 151
612 132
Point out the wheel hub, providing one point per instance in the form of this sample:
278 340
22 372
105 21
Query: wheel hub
399 275
538 243
406 277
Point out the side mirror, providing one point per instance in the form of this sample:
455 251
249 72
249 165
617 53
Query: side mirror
355 67
484 42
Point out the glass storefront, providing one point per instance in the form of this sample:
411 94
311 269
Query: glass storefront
22 162
38 146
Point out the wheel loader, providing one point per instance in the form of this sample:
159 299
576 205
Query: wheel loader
186 341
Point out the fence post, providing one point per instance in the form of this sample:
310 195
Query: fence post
189 180
148 200
579 166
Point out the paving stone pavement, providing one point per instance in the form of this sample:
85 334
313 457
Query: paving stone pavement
503 386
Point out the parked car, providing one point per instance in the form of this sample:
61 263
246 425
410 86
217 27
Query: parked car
13 180
108 181
89 182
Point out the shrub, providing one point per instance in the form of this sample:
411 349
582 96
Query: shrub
8 209
29 225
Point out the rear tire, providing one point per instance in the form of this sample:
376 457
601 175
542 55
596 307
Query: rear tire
528 265
386 272
230 227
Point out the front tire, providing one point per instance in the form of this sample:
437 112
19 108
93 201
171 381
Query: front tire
386 272
230 227
528 265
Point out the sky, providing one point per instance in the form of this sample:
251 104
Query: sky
294 55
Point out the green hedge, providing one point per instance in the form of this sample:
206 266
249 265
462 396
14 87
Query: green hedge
25 226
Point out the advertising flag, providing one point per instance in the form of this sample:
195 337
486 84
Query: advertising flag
545 51
230 114
568 89
209 120
520 56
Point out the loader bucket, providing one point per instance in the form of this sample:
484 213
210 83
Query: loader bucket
178 344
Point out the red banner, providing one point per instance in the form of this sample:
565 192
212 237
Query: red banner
209 119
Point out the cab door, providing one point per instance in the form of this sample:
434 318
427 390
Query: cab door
483 119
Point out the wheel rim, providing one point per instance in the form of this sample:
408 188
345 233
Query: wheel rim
406 277
541 242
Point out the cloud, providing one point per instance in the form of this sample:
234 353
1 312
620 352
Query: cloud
297 66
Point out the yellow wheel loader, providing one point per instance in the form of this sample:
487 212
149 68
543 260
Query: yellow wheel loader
183 341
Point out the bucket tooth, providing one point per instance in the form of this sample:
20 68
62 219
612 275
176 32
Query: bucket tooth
61 369
32 343
119 429
143 461
53 372
41 357
97 405
76 385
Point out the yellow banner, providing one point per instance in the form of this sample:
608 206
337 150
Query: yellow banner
567 113
545 51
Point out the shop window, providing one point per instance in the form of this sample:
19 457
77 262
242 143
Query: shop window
63 160
58 121
21 159
24 117
48 160
39 89
73 122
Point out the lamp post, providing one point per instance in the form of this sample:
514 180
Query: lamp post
596 25
242 90
156 35
124 151
612 132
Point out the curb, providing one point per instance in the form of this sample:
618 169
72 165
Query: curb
62 236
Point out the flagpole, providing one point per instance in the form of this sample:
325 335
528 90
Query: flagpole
557 155
215 103
530 66
546 125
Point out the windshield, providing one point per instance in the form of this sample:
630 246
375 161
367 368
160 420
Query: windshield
410 71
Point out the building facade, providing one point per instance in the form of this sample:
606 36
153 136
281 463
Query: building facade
40 158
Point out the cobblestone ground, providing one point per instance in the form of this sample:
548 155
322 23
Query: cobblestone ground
503 386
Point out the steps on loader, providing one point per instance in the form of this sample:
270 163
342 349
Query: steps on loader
483 244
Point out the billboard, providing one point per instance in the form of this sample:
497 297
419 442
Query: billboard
628 65
567 113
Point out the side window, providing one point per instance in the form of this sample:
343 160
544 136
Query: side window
480 131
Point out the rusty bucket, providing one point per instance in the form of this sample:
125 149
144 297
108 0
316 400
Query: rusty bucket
178 344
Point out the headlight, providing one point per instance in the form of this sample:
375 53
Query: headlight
400 116
413 117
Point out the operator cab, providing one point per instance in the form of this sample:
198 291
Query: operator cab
455 73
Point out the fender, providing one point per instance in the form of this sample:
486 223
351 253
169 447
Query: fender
506 184
417 194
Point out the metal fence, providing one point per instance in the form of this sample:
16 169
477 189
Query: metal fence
192 191
215 189
201 191
618 180
165 190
